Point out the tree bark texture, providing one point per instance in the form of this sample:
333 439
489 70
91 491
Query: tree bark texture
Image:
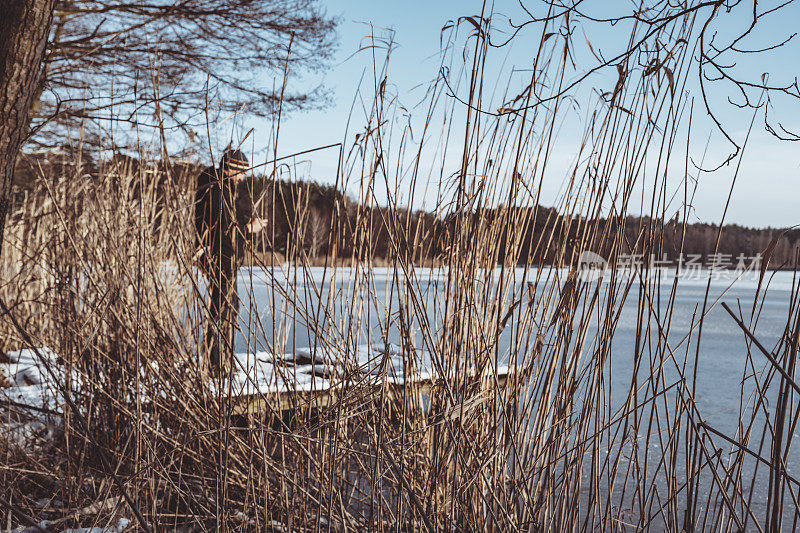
24 28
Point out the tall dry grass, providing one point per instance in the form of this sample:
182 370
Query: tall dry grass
100 270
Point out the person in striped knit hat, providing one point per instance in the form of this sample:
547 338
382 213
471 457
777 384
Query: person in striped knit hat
223 220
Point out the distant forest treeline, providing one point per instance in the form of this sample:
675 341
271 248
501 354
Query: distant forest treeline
317 220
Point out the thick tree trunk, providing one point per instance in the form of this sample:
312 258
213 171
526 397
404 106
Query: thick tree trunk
24 27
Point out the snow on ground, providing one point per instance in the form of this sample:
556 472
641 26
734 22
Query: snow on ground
27 372
31 406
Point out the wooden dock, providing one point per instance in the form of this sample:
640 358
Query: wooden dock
260 403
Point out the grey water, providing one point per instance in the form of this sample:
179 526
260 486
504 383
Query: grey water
284 309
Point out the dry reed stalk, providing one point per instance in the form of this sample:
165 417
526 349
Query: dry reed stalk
100 268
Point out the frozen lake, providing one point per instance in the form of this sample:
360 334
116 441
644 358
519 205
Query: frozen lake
358 308
349 307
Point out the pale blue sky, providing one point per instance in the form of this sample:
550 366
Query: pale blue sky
767 189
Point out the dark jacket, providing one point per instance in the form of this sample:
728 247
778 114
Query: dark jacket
218 231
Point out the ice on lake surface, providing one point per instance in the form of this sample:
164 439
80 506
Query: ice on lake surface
282 310
291 306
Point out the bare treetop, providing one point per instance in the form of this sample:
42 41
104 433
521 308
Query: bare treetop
719 35
170 64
